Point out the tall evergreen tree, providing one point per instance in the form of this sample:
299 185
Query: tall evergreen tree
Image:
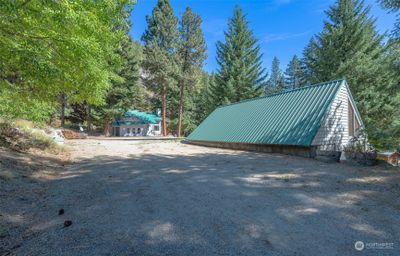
125 93
309 62
204 99
196 104
276 82
392 62
132 91
160 49
348 35
240 75
350 47
393 6
192 53
294 74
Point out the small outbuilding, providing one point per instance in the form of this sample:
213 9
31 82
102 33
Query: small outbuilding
306 121
137 123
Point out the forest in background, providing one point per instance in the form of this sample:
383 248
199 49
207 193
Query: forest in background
73 62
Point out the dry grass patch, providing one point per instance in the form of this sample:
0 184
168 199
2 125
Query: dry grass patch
21 135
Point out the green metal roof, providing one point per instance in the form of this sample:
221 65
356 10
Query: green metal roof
142 118
288 118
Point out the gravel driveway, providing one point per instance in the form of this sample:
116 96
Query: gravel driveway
153 197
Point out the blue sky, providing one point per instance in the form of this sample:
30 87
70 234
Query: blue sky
283 27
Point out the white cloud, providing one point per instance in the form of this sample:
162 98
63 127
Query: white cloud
283 36
273 5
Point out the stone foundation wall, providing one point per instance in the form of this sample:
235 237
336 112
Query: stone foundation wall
328 156
361 158
309 152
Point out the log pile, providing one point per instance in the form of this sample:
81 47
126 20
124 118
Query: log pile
72 135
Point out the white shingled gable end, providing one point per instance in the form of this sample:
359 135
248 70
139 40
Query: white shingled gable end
333 133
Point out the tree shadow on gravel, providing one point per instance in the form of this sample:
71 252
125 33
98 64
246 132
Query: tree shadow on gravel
24 180
228 203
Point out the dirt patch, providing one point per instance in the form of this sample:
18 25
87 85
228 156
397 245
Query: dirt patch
155 197
24 179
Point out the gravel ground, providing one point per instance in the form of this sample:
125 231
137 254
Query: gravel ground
152 197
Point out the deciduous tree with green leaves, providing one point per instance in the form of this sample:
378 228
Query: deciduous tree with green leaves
160 49
50 48
240 74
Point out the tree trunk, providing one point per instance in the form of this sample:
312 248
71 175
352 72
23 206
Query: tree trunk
164 111
180 117
63 104
107 129
88 118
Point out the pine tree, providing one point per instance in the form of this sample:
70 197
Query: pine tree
240 75
222 93
276 82
294 74
393 6
349 47
210 100
125 93
160 49
196 104
392 63
308 62
129 93
204 99
349 36
192 53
